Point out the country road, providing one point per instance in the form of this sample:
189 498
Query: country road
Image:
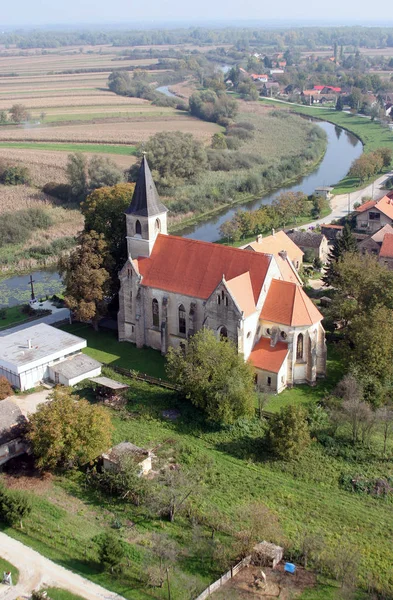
36 571
342 202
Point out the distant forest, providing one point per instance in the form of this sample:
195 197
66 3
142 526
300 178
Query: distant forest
307 37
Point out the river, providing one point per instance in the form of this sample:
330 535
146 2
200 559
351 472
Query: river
342 149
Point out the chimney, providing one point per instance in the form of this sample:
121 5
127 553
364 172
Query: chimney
29 344
273 231
259 238
283 254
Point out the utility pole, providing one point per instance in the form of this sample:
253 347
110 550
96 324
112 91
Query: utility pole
349 203
169 585
32 287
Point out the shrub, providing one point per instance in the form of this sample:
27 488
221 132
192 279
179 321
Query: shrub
111 552
62 191
288 433
16 228
239 132
16 175
5 388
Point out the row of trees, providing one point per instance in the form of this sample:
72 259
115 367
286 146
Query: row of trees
285 209
371 163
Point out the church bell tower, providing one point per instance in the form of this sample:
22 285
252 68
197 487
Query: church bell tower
146 216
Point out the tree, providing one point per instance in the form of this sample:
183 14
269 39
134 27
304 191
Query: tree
387 155
5 388
289 206
104 211
68 432
339 103
111 552
86 278
214 377
255 523
18 113
342 245
119 82
103 172
219 141
76 175
248 90
288 432
14 506
385 417
175 156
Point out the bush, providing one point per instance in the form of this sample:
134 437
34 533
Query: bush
239 132
288 433
16 228
5 388
62 191
111 552
16 176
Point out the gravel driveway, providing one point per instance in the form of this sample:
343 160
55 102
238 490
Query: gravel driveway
36 571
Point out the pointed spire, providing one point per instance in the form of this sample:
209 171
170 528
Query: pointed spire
145 200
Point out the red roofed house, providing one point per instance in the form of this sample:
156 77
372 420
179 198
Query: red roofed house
172 287
386 252
372 215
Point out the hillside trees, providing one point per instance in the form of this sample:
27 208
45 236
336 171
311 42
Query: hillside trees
68 432
85 176
370 164
214 377
343 244
210 106
86 275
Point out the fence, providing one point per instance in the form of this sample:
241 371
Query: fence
143 377
224 578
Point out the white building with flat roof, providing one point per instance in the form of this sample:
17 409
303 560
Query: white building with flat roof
30 356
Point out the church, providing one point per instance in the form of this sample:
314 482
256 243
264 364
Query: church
171 287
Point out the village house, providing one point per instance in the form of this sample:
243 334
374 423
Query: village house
386 252
372 244
278 243
171 287
12 426
41 352
314 245
324 191
373 215
331 232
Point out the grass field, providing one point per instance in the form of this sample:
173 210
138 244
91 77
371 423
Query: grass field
372 134
58 594
104 347
6 566
305 495
13 316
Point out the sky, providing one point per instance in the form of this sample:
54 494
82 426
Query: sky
154 12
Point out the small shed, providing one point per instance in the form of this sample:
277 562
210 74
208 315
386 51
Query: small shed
266 554
126 450
110 391
324 191
74 369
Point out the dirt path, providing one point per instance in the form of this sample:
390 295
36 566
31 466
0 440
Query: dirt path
36 571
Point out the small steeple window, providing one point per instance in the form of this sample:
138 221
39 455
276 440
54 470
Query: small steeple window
138 228
299 347
158 225
182 319
155 313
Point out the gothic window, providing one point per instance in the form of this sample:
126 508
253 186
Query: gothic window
223 332
131 298
218 299
182 319
138 228
222 294
158 225
156 313
226 301
299 347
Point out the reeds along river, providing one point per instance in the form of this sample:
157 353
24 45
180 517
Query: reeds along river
342 149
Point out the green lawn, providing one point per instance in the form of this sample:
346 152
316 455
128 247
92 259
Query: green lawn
372 134
59 594
305 394
13 316
104 347
6 566
95 148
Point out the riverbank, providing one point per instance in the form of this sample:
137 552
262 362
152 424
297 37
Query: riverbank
372 134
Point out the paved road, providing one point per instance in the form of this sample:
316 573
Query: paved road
60 315
37 571
339 204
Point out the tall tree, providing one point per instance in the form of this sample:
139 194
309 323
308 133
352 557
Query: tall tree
288 432
214 377
342 245
86 277
68 432
77 175
104 212
102 172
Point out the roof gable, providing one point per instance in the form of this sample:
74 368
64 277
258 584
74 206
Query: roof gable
385 205
267 357
145 200
273 244
306 238
366 206
379 235
240 289
286 303
195 268
387 246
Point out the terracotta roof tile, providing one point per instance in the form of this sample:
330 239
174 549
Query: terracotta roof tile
385 205
366 206
286 303
195 268
387 246
267 358
241 290
273 244
379 235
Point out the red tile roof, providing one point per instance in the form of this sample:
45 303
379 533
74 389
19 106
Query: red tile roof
267 358
332 226
195 268
288 304
387 246
385 205
366 206
241 290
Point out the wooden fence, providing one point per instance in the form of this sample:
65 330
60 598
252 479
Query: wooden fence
144 377
224 578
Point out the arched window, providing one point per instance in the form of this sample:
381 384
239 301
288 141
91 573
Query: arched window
182 319
223 332
226 301
158 225
299 347
138 228
156 313
218 299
